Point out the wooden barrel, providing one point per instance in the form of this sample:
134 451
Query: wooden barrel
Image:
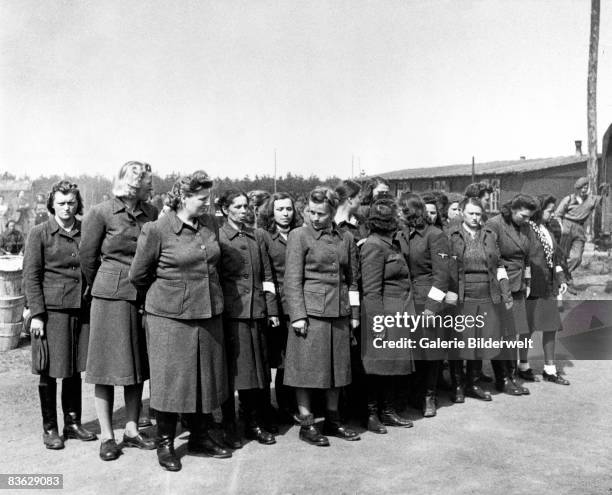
9 335
11 275
11 309
11 301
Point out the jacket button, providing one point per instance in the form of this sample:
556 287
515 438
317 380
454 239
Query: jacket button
74 267
73 254
202 246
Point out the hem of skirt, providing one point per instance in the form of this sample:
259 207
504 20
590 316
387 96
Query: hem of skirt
122 381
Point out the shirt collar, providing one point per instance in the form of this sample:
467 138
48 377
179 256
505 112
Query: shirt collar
54 227
231 232
119 206
318 233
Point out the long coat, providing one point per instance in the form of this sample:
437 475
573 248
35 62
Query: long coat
545 280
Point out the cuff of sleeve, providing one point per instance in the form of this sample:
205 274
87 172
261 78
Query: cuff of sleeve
451 298
354 298
436 294
528 272
501 273
269 287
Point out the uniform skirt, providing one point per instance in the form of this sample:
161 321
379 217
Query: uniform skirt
543 314
117 352
276 339
477 303
323 358
67 337
188 364
515 319
247 353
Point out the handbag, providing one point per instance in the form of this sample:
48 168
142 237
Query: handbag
40 355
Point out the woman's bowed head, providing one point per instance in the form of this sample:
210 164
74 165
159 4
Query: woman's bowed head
133 180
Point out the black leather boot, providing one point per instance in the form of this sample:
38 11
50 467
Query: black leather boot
502 380
231 438
253 428
473 388
166 432
334 427
309 432
513 375
47 391
374 423
71 405
200 442
388 415
458 388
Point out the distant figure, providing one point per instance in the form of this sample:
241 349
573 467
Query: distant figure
573 212
4 214
41 214
22 210
11 241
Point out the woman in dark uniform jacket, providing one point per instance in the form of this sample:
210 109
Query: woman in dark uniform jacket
54 291
386 291
321 293
246 278
547 280
277 218
176 265
426 250
478 284
117 352
514 242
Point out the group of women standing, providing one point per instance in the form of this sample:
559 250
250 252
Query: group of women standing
205 308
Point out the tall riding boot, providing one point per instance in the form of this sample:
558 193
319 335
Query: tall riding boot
285 397
231 438
456 373
166 431
373 422
513 375
389 415
431 382
200 441
71 405
47 390
268 415
473 389
249 400
502 380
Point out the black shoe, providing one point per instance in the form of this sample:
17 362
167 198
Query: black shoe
558 379
74 429
256 432
52 440
145 422
458 396
477 392
311 435
139 441
335 429
508 387
109 450
374 424
429 406
166 456
231 437
207 446
390 418
527 375
524 390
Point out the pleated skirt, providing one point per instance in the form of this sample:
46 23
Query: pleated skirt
247 353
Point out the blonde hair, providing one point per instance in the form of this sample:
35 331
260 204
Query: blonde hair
130 179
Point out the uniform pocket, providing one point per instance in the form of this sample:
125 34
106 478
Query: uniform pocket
54 294
314 301
166 297
106 283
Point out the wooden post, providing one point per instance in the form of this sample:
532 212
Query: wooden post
473 170
592 166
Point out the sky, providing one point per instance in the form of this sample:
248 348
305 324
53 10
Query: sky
333 86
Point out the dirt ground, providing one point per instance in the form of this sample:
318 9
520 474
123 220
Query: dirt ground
556 441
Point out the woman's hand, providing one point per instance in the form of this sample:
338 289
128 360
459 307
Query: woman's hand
509 305
273 321
300 327
562 288
37 327
355 323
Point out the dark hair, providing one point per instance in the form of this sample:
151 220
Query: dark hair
470 200
227 198
516 203
440 201
347 189
454 198
324 195
413 211
265 218
367 192
65 187
187 185
543 201
382 217
478 190
258 197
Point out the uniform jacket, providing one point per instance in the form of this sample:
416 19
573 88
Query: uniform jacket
545 281
276 247
51 269
426 251
515 247
495 265
321 269
246 273
110 233
176 265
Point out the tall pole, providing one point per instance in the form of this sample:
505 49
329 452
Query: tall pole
274 169
473 170
592 168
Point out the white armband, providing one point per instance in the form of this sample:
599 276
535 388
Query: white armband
528 272
558 269
354 297
269 287
451 298
436 294
501 273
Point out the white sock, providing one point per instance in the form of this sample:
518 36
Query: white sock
551 369
524 366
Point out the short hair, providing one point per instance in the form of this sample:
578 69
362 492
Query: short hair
129 179
187 185
324 195
455 198
470 200
517 202
543 201
413 210
65 187
347 189
478 190
258 197
227 198
382 217
367 192
265 218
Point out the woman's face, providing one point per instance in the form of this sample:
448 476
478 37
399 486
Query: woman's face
472 215
197 204
65 206
547 212
320 215
283 212
380 188
432 212
521 215
354 203
453 210
238 210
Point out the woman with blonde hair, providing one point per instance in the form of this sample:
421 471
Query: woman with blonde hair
117 350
